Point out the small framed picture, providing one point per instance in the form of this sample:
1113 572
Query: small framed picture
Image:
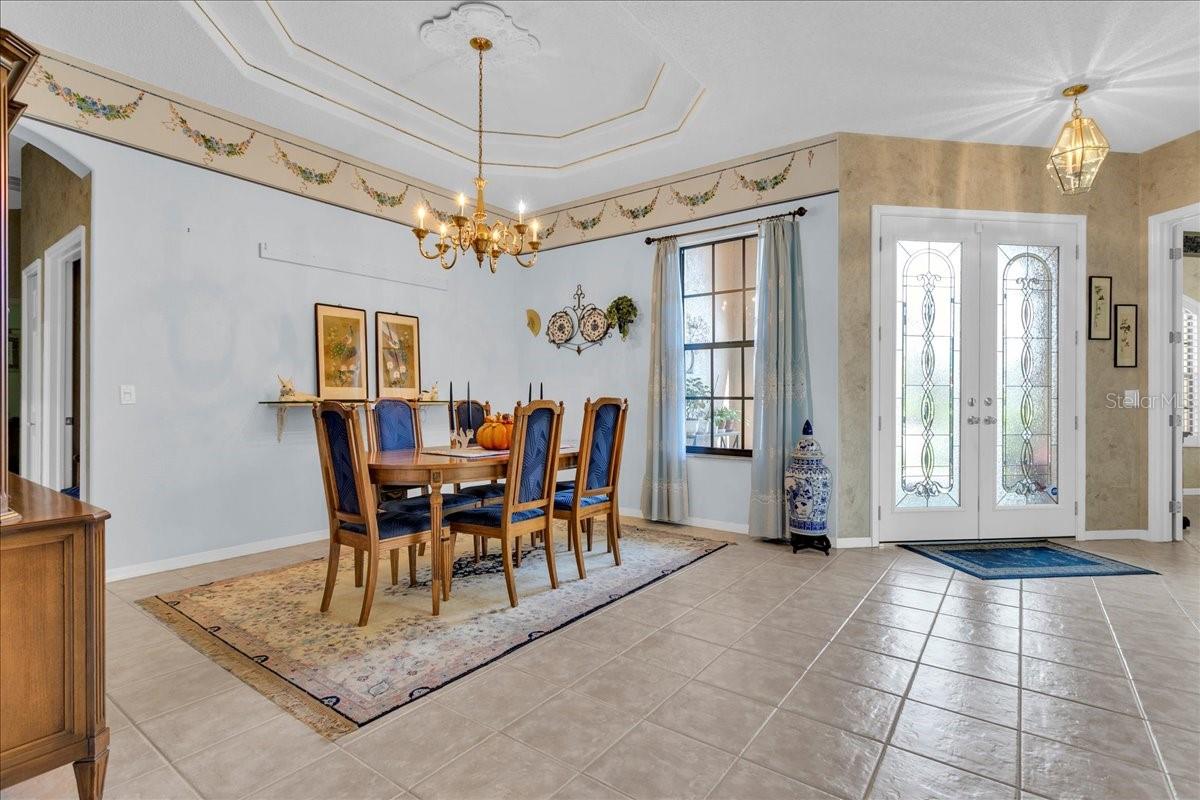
341 338
1100 307
1125 351
397 355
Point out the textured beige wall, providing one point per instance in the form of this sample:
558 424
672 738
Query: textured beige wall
877 170
54 201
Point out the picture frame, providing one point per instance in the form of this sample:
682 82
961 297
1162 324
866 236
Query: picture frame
397 355
1100 323
1125 345
340 336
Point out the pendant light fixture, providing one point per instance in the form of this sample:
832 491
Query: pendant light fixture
1080 149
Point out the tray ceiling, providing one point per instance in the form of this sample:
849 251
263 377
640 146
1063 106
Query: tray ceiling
623 93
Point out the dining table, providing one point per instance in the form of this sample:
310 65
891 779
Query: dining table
435 470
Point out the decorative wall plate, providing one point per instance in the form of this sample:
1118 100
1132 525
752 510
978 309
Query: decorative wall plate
533 321
578 327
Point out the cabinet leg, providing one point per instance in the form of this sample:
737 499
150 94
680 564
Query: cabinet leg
89 776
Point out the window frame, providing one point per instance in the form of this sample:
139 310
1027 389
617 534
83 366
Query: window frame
748 283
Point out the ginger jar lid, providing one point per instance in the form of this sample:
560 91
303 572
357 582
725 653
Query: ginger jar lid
808 448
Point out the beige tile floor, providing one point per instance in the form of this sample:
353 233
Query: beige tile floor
752 674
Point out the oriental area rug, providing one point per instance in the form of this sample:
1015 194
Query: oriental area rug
1009 560
268 630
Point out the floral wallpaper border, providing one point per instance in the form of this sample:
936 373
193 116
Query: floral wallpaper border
76 96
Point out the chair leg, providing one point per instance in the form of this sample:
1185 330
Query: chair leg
613 524
335 554
369 592
450 560
421 549
475 544
573 541
551 565
509 582
358 569
395 556
517 555
412 565
590 522
483 545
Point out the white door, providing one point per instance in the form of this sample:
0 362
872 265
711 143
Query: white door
976 378
31 372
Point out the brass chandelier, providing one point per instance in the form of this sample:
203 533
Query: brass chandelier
488 240
1080 149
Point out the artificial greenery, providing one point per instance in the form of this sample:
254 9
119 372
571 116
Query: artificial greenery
621 314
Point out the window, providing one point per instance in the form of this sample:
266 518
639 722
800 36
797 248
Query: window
719 313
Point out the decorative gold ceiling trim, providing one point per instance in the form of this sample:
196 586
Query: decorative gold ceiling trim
465 126
448 150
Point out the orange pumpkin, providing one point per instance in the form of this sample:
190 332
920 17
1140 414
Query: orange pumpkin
495 433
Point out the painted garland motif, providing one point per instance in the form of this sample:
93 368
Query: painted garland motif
636 213
86 105
307 175
694 201
212 145
761 185
586 224
440 216
382 199
548 231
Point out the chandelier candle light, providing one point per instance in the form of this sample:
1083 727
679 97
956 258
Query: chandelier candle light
489 241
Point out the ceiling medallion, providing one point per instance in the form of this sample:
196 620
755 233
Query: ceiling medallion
488 240
1080 149
511 41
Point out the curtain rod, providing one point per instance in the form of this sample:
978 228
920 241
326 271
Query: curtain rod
799 212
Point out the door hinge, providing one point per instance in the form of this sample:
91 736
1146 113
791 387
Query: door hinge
1077 337
1076 250
881 244
1174 507
1077 508
1174 337
879 512
1076 422
1175 253
879 424
1172 420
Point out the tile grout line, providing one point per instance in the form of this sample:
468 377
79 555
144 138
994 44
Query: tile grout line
771 715
1021 689
1137 698
887 742
135 726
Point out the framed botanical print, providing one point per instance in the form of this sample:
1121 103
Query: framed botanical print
1100 307
397 355
341 337
1125 350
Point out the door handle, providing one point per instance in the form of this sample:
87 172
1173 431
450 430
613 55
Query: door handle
972 420
989 420
987 401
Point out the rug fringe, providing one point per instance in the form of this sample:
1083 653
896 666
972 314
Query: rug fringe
306 708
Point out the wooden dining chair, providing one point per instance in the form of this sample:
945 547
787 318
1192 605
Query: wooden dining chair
594 491
469 418
355 518
528 491
394 424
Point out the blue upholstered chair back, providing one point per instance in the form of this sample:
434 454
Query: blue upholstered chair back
536 458
339 445
605 441
469 417
396 425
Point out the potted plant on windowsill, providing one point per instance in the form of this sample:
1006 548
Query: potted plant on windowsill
725 419
695 409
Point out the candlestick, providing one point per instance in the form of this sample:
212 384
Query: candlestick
521 212
541 391
531 391
420 216
462 203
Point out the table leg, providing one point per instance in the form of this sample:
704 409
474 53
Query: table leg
436 550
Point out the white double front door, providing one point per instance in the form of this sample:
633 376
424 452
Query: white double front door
976 376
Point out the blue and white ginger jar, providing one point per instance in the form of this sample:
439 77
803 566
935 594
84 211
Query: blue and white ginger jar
806 484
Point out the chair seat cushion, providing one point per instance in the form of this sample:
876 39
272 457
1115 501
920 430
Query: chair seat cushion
392 524
563 500
489 516
488 491
564 486
420 504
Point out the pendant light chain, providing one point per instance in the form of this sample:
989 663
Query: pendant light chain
480 162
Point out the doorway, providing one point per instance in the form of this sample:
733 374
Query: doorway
976 373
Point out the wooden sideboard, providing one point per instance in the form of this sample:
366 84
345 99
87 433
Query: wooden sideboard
52 639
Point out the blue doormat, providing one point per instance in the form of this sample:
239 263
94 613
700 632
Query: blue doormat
1038 558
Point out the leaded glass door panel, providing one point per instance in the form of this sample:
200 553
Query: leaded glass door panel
929 465
1028 381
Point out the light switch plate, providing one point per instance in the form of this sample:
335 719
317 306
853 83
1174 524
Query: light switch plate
1132 398
128 394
